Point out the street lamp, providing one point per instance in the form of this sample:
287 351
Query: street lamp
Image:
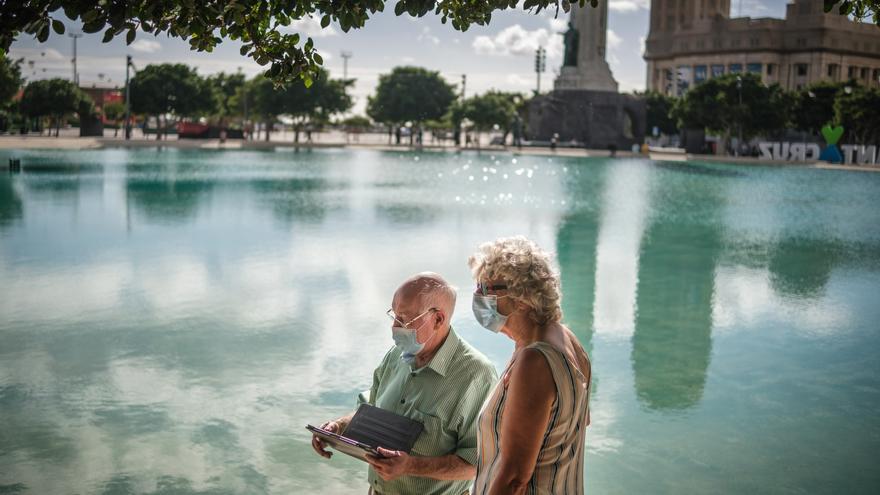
75 75
739 85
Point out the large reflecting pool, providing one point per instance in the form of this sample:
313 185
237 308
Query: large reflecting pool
170 320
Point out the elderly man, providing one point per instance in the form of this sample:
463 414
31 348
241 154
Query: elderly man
433 376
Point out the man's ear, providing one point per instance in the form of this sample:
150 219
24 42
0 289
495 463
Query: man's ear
440 318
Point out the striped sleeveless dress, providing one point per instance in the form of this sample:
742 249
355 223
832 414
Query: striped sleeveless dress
560 464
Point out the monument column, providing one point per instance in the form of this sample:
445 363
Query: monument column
584 65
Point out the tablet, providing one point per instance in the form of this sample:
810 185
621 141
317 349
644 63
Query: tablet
344 444
370 428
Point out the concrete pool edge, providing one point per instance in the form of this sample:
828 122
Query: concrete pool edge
77 143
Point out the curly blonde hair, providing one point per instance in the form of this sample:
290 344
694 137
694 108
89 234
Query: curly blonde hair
528 272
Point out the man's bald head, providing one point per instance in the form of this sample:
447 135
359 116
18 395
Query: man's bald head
423 291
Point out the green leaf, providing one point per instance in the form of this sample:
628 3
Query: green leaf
43 35
129 38
58 26
91 15
245 48
93 27
325 21
399 8
318 59
108 35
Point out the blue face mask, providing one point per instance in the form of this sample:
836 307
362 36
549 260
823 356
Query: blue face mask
486 312
407 341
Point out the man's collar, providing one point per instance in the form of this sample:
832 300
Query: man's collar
440 362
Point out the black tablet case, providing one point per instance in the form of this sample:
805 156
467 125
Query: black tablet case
381 428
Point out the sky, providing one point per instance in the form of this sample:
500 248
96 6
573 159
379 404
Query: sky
499 56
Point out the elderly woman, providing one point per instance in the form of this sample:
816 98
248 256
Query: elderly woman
531 430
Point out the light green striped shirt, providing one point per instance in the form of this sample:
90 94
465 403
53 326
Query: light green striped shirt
446 396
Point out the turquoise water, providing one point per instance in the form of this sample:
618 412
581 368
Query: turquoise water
170 320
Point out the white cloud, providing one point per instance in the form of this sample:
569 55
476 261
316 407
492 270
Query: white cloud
559 24
516 40
518 80
311 26
641 45
146 46
427 36
613 40
628 5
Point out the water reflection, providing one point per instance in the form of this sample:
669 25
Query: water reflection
672 343
801 267
10 203
296 199
169 199
147 361
626 202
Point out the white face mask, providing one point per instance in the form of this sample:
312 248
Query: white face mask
486 312
407 339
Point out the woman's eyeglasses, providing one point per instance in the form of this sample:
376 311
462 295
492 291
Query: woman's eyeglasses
485 288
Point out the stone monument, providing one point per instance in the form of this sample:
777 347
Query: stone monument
584 65
584 109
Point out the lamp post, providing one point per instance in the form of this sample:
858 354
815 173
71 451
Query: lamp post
540 66
739 85
345 56
127 99
75 75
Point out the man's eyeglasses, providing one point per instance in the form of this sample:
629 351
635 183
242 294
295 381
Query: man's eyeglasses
396 319
485 288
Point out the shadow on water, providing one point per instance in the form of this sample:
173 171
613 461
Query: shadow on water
801 267
298 199
698 169
167 200
672 343
11 209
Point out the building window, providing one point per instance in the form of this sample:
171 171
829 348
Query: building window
770 69
851 72
801 69
699 73
753 68
716 43
734 42
717 70
735 68
876 77
701 44
801 42
683 80
864 74
832 70
755 42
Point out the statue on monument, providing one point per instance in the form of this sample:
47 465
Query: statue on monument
571 39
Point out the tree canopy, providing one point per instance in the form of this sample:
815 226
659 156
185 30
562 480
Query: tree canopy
175 89
314 104
264 27
410 94
857 112
734 102
10 80
54 98
658 108
488 110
